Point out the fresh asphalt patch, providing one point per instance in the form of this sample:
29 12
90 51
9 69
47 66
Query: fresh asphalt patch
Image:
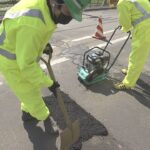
89 126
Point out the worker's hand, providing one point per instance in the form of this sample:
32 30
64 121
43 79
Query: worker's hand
129 32
48 49
54 87
119 27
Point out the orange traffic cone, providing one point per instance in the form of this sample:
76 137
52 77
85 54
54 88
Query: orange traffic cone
99 31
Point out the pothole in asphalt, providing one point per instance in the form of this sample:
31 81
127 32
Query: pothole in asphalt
89 126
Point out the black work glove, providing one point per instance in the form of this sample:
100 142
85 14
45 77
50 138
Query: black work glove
48 49
54 87
120 27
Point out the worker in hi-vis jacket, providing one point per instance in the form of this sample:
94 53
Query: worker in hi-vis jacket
135 15
24 32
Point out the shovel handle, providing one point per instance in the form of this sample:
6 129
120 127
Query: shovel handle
58 92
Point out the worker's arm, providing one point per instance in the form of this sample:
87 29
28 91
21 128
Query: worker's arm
123 7
28 48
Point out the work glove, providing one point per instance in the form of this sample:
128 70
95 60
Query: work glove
48 49
129 32
120 27
54 87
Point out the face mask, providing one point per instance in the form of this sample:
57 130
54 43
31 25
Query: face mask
62 19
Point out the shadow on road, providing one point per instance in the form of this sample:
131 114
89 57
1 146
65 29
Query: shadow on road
41 139
105 87
89 126
142 90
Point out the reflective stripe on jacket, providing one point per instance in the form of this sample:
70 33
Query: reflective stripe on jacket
145 16
4 52
130 15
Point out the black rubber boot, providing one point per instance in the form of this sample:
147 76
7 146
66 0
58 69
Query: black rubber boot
27 117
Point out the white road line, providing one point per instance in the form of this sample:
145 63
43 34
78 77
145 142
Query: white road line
57 61
83 38
54 62
43 66
110 31
88 37
113 41
63 59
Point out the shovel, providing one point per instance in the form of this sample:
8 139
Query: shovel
71 133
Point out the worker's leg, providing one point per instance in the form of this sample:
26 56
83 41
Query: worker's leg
30 98
33 103
137 59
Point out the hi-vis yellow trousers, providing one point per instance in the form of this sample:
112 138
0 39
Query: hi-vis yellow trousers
138 56
30 98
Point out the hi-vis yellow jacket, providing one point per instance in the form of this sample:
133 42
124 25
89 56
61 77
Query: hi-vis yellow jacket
24 32
133 13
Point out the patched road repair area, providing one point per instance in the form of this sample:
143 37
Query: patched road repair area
89 126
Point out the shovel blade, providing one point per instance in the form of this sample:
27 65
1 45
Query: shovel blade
69 135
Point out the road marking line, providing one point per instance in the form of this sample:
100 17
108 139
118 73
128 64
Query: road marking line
88 37
113 41
54 62
57 61
63 59
83 38
119 40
